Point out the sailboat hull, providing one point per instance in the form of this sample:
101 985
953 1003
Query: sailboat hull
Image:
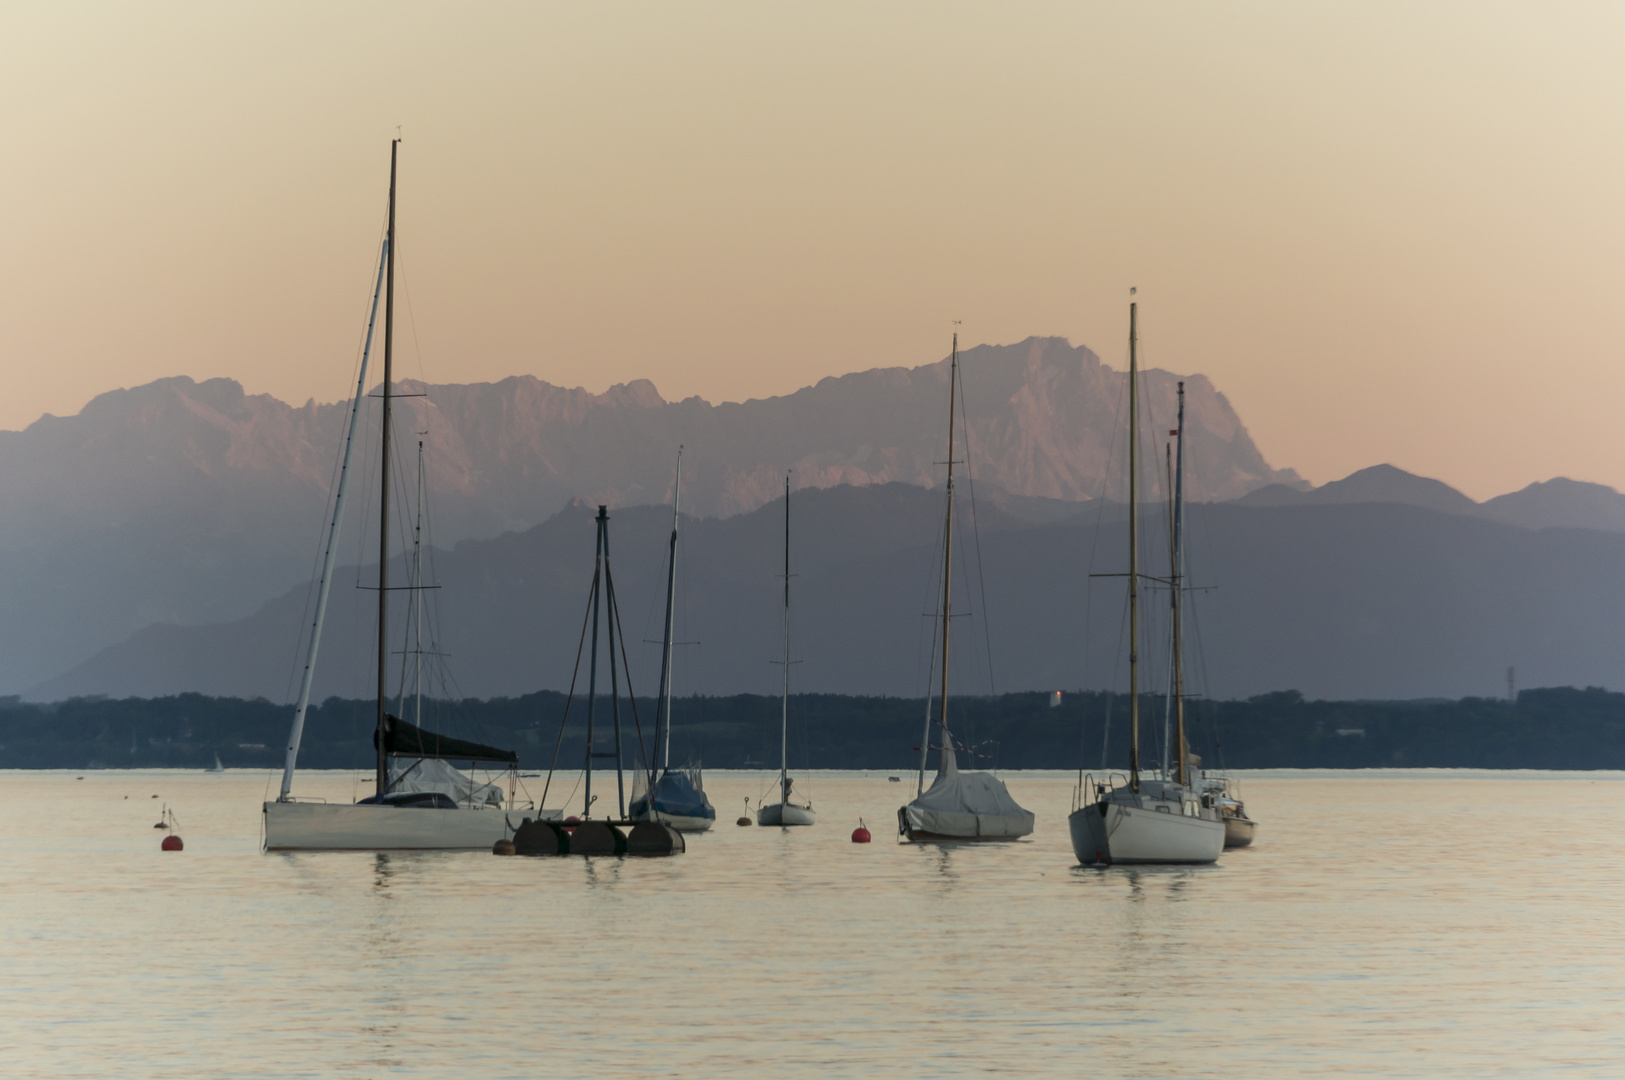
1116 833
786 814
680 822
934 828
296 826
1238 832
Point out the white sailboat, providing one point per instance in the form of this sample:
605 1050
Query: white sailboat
786 811
957 806
676 796
443 814
1167 819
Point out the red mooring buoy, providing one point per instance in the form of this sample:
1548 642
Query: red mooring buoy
860 835
172 843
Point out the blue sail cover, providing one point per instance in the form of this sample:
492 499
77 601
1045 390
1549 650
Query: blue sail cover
675 795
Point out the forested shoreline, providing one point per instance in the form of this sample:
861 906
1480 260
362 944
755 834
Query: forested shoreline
1557 728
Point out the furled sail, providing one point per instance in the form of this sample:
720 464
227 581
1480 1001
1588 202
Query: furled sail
402 739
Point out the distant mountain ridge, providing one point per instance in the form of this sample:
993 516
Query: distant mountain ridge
1338 600
187 502
182 503
1556 503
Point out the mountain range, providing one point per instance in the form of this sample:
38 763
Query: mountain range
1558 503
1337 600
183 502
148 534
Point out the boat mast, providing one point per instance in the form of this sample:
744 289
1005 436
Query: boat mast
949 760
784 729
331 554
1173 600
1178 586
592 668
383 489
925 733
611 626
663 721
1133 549
417 600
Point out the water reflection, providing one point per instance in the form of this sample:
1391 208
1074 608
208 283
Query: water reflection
795 956
384 952
603 871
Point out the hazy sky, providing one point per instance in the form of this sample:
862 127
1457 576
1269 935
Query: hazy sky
1389 232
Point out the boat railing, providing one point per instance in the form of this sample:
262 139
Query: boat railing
1096 786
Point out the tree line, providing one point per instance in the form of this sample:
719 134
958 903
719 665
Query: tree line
1557 728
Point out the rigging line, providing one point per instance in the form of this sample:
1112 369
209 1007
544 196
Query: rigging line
369 451
338 457
1203 520
1090 564
934 586
1122 633
592 592
620 632
337 464
1201 663
930 674
411 320
976 534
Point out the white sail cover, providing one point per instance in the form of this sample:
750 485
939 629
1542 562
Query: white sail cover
968 805
432 774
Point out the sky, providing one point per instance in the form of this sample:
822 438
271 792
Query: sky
1389 232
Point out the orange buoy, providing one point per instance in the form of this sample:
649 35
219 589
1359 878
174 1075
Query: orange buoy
172 843
860 835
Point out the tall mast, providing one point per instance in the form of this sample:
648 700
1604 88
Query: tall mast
383 489
950 762
592 664
328 557
611 626
663 720
784 731
1173 600
1178 587
417 600
1133 549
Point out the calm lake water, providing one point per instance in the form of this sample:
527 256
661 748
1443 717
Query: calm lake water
1419 923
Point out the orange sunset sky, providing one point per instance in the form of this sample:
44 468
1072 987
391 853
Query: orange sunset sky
1389 232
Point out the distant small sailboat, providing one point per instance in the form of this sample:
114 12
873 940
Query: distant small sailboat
1239 829
786 811
957 806
676 796
216 767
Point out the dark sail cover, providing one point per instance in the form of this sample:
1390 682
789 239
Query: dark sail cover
408 740
676 795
